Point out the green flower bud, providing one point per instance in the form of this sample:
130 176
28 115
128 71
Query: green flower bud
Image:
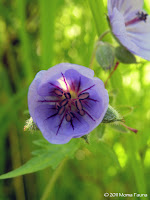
112 116
124 56
105 55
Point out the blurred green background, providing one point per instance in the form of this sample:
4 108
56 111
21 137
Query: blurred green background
35 35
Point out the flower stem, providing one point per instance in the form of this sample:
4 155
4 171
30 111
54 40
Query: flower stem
103 35
116 65
52 181
95 48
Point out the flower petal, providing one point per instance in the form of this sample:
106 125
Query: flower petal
49 125
33 96
119 30
125 6
97 109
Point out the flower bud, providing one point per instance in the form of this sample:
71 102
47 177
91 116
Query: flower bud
112 116
124 56
105 55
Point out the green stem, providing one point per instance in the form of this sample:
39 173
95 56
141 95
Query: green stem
52 181
103 35
95 48
110 75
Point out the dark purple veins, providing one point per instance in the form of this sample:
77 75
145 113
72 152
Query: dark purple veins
69 108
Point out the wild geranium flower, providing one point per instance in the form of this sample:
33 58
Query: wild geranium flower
130 25
67 102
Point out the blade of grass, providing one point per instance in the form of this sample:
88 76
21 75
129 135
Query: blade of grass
25 45
98 12
47 19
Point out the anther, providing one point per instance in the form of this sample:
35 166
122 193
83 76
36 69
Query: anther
83 96
79 105
61 110
68 95
64 102
57 105
58 92
68 117
71 114
142 16
81 112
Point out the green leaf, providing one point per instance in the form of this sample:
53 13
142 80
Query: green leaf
125 110
124 56
51 157
103 149
120 129
111 116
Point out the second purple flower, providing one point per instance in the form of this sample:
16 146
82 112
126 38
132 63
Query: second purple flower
130 25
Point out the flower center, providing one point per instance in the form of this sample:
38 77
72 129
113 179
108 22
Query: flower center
140 16
70 101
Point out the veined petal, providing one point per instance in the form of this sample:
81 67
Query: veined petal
124 6
119 30
48 123
33 96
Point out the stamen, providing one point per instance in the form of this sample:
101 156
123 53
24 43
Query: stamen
68 117
68 95
63 105
79 105
72 115
81 112
86 89
83 96
141 16
64 102
58 92
57 105
61 110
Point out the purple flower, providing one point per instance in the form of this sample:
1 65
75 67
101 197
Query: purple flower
67 102
130 25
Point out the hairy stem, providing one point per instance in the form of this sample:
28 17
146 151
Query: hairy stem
116 65
95 48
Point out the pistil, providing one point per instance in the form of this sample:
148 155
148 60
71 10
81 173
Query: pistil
140 16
